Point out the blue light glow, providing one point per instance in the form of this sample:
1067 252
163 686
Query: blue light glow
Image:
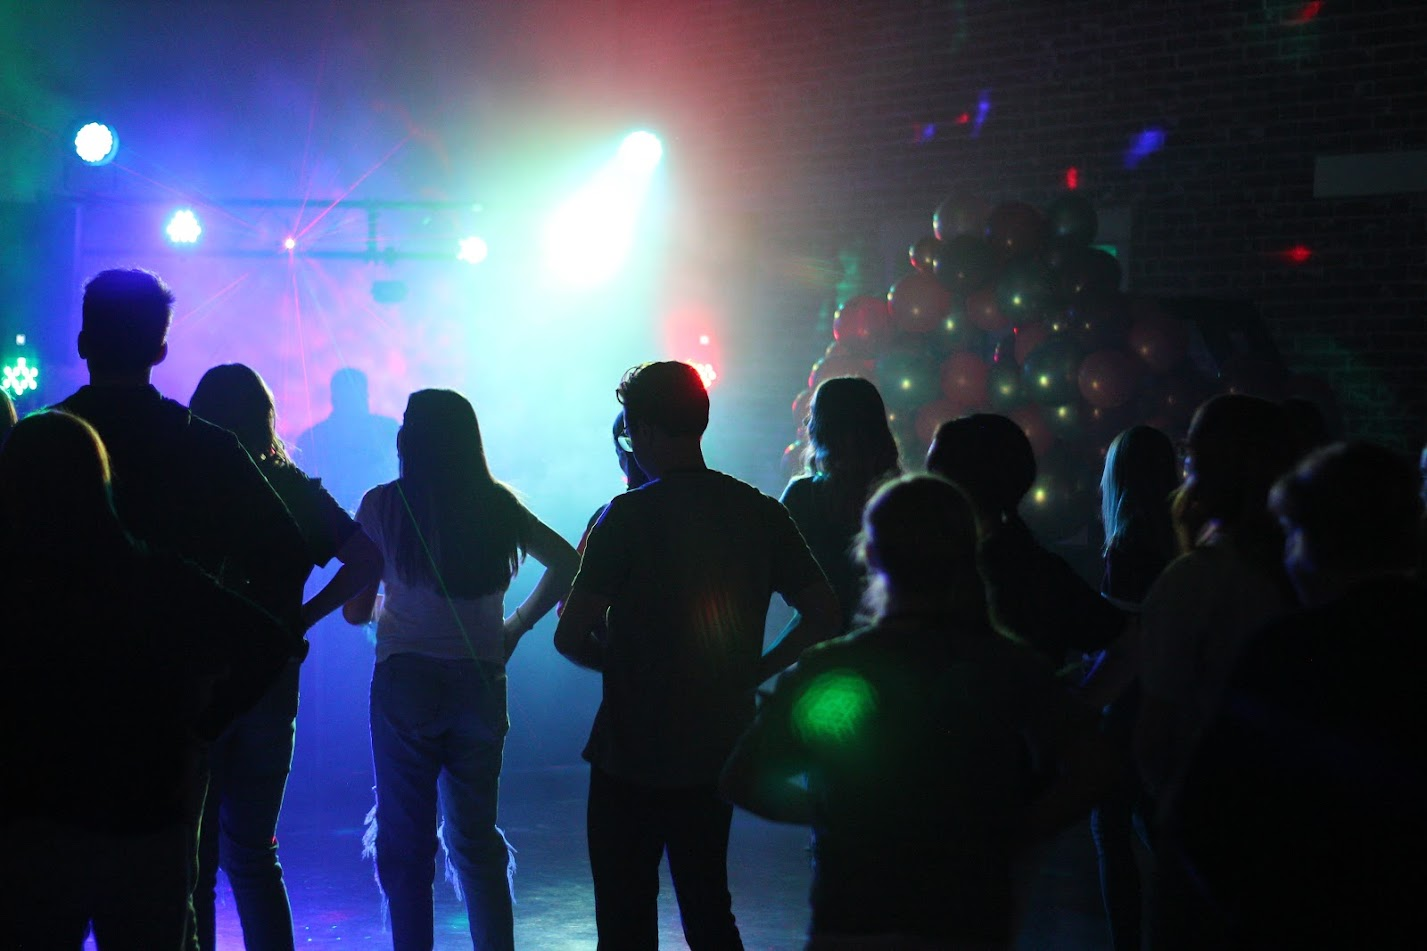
1143 146
183 227
96 143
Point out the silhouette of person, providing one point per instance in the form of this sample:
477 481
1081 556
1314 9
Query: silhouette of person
352 449
179 482
682 569
1140 476
114 655
451 537
851 451
1034 593
249 763
7 415
1301 814
912 735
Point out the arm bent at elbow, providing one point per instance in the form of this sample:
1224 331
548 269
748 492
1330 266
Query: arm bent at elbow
561 562
817 619
361 569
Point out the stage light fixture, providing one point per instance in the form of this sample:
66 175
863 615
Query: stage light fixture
183 227
289 244
473 250
96 143
19 377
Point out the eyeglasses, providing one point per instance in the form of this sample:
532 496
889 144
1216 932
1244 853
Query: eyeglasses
623 441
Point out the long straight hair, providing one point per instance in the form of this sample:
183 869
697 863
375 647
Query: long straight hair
1141 474
456 530
235 397
850 444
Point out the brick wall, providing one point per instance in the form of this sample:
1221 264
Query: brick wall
816 116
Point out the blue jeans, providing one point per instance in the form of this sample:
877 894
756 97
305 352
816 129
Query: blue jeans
248 766
438 730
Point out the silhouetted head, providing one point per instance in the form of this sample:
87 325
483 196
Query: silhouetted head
669 396
126 316
236 398
1349 511
634 476
919 544
848 434
439 434
1307 423
7 415
1141 474
1237 447
55 489
349 392
989 457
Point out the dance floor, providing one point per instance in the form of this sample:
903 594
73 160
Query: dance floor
335 901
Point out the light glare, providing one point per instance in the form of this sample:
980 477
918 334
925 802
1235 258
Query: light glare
183 227
96 143
473 250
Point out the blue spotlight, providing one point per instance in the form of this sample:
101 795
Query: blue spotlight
183 227
96 143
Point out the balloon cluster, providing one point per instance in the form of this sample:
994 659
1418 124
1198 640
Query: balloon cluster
1013 310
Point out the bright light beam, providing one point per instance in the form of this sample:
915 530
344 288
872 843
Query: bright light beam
589 237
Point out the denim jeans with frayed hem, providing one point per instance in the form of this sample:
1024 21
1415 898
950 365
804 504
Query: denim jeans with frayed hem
248 768
438 735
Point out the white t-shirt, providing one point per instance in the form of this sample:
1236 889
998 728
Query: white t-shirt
416 619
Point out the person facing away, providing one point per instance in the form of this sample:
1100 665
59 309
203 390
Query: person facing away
912 736
451 538
682 570
1033 593
352 449
1140 476
1301 814
179 482
851 451
249 762
7 415
114 653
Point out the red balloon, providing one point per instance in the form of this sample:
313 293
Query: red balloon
963 379
1029 337
1107 378
933 414
918 303
1016 228
862 322
838 365
801 404
1031 419
983 311
1160 341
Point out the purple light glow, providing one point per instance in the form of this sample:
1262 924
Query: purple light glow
1143 146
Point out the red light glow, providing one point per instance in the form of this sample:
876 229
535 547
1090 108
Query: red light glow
1298 254
1072 178
963 119
1308 13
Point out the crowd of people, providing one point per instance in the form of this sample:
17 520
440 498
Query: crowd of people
1232 708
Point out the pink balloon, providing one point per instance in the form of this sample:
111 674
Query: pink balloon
918 303
963 379
862 323
1160 341
1107 378
933 414
1029 337
984 312
1031 419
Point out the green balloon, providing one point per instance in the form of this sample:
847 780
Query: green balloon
1051 373
907 378
1003 386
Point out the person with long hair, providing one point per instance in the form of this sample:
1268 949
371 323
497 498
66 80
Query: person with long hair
452 538
912 735
1034 593
120 663
851 451
7 415
250 762
1140 476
